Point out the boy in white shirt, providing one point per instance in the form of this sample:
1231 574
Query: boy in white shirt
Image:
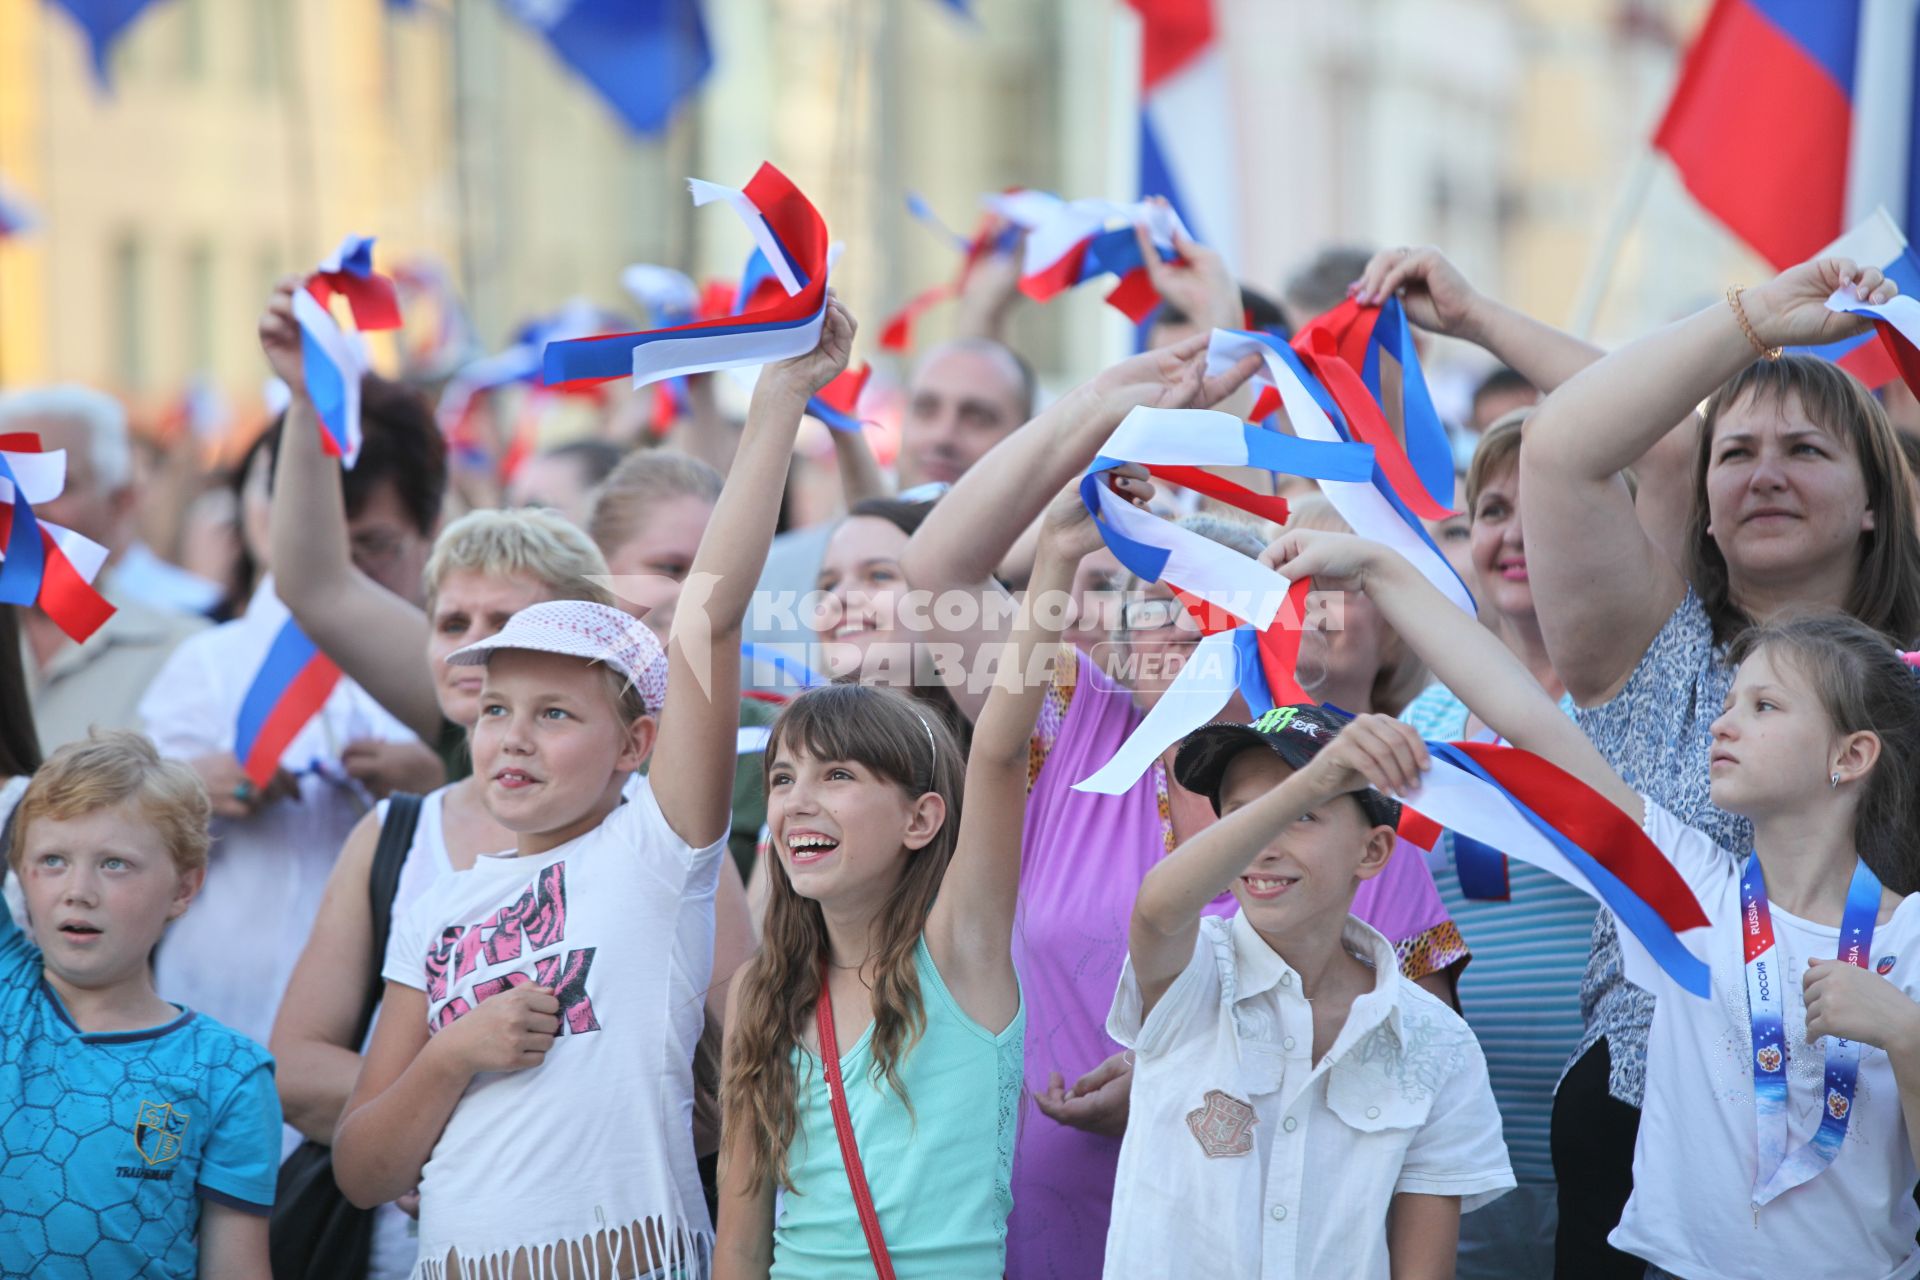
1298 1109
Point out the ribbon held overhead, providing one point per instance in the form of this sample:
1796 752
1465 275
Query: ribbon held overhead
1070 242
1251 616
791 237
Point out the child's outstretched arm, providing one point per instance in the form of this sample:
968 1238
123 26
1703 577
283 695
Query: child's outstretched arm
970 929
1463 655
700 723
1373 750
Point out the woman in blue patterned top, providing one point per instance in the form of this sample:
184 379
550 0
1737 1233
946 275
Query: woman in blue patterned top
1799 500
1528 929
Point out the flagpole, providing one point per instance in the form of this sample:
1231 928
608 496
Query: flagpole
1626 211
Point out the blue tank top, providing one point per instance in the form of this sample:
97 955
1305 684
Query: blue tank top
940 1176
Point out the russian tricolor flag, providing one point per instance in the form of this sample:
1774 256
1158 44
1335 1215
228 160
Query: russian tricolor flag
1187 151
1795 118
290 689
44 564
332 363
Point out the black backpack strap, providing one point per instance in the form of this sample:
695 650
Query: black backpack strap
383 880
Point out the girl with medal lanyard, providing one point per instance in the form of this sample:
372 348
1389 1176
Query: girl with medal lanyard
1782 1115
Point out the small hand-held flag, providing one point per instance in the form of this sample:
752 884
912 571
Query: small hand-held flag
290 688
332 363
41 563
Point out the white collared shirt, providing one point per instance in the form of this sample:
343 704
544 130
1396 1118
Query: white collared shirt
1244 1157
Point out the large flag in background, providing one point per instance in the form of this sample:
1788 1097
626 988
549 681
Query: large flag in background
1794 119
103 21
1186 119
643 56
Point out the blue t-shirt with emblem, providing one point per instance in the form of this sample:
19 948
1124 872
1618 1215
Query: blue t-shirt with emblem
110 1141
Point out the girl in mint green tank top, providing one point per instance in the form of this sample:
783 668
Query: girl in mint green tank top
902 904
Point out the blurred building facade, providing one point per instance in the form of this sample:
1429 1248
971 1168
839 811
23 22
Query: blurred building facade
241 138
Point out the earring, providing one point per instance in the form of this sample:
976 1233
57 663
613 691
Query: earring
1835 780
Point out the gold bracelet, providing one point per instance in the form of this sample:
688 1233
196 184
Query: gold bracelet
1740 314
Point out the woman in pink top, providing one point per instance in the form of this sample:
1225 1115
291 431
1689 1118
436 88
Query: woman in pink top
1085 855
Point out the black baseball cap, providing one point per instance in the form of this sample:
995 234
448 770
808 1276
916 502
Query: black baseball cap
1295 734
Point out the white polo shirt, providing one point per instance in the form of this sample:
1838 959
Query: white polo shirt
1243 1157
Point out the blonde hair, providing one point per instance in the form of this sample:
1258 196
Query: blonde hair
1497 453
1401 675
107 768
529 541
641 481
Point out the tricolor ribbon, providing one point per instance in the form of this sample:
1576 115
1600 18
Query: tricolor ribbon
1248 646
44 564
1072 241
290 688
838 403
1498 795
1371 506
791 237
332 363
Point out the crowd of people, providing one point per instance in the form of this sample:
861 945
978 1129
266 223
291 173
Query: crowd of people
603 922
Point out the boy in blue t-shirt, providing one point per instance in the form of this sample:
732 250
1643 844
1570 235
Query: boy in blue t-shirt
136 1138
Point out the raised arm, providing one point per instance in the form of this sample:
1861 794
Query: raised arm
700 723
970 929
1602 587
1465 656
315 1058
378 639
954 550
1440 299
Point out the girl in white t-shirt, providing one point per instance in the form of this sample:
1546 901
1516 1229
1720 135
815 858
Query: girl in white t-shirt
532 1068
1782 1115
890 923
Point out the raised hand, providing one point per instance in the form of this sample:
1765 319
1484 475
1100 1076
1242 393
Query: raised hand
1372 751
1437 297
280 336
1172 377
1200 286
828 360
1335 561
507 1032
1068 528
1790 310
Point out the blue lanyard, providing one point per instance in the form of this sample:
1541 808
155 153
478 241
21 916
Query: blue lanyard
1778 1169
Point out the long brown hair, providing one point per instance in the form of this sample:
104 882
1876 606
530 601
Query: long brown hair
900 741
1885 593
1864 686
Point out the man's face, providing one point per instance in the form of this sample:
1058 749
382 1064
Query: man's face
962 403
85 505
558 483
386 546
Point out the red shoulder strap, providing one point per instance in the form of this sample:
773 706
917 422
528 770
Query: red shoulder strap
843 1127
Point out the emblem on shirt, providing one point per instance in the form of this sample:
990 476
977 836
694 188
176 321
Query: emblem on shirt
1224 1127
157 1131
1837 1104
1884 965
1769 1058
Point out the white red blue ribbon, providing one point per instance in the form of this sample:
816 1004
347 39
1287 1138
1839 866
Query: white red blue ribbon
1072 241
791 235
1371 507
1779 1170
332 363
896 333
290 688
1503 796
44 564
1249 646
1897 323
